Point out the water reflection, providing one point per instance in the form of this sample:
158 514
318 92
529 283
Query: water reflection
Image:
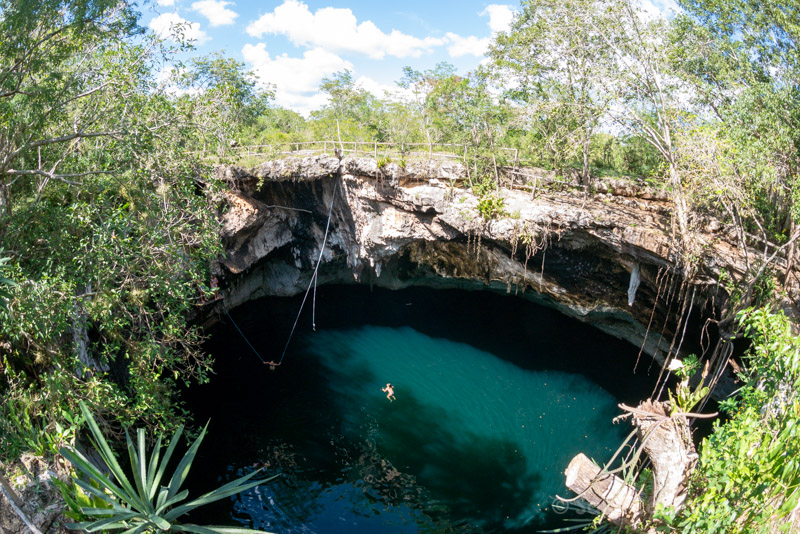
473 443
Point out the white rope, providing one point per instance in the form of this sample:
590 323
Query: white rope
313 283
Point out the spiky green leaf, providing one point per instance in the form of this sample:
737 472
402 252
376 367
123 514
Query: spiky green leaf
110 460
185 464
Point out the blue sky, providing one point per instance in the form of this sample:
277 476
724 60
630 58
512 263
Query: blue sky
293 44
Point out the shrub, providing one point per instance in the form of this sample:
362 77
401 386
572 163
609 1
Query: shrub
144 505
748 477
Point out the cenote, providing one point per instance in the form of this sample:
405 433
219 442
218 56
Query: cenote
494 396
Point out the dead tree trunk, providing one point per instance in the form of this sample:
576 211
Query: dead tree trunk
667 441
80 340
617 500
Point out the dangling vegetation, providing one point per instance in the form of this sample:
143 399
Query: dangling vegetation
108 219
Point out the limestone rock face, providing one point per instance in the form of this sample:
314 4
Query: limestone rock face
418 225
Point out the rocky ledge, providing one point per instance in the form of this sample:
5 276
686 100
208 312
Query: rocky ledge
605 258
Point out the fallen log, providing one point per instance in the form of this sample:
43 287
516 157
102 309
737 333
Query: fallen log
667 441
617 500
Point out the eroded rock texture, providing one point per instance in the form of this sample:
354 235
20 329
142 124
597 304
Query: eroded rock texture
397 227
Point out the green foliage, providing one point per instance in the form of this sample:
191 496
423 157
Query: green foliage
665 516
748 476
743 64
42 436
352 113
146 504
383 162
553 56
76 499
126 259
223 97
490 203
275 126
107 216
685 397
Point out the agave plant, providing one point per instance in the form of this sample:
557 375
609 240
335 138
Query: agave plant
146 505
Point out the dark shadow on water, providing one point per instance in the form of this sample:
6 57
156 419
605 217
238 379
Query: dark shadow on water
288 420
480 478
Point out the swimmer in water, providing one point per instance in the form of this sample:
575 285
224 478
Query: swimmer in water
389 390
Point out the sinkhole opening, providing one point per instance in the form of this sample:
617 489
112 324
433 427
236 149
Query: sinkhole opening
494 395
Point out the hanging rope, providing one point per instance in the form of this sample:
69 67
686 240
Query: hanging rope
312 282
244 336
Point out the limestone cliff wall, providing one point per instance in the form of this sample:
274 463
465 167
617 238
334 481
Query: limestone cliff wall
396 227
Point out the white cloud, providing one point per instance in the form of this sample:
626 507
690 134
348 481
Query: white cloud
216 12
172 25
296 79
667 8
381 89
338 29
464 46
500 17
656 9
166 79
301 103
648 11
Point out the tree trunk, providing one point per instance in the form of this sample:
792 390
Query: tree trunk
80 340
585 175
667 441
5 204
789 256
681 208
620 502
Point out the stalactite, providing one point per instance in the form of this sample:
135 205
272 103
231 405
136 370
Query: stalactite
633 286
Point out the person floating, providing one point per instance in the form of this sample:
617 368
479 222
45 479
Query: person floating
389 390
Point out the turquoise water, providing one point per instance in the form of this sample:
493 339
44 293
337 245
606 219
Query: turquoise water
476 441
465 420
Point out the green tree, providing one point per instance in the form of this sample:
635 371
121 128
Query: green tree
419 85
346 102
463 111
742 62
111 235
548 62
223 98
61 76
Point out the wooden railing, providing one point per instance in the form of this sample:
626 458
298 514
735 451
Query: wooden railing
509 175
406 151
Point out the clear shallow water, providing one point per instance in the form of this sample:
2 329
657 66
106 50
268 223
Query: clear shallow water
476 440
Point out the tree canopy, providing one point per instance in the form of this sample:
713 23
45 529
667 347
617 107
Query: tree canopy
107 198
